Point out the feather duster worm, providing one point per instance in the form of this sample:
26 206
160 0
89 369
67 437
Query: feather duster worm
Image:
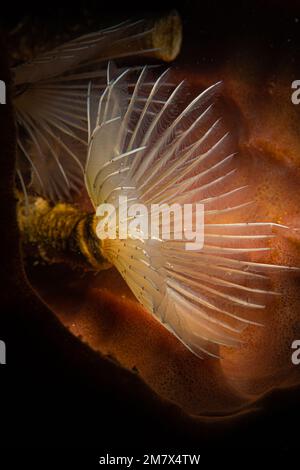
50 99
142 145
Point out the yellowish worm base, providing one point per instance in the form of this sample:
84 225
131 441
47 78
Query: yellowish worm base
167 37
60 233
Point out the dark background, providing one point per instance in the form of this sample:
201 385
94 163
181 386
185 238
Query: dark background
55 392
